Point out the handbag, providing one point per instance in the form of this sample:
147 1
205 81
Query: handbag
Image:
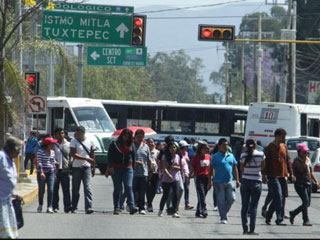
17 201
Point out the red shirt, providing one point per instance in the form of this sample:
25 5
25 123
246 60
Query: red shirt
201 165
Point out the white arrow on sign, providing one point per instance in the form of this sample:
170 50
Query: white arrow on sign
122 29
127 10
94 55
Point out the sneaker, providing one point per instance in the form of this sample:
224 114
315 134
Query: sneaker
56 210
205 214
263 212
307 223
224 221
89 211
160 214
215 208
133 210
116 211
67 209
142 212
39 209
188 207
150 208
281 223
199 215
74 211
253 233
176 215
49 210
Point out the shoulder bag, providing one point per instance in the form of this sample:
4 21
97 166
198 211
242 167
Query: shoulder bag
91 154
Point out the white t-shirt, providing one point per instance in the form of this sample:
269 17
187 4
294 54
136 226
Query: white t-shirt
81 151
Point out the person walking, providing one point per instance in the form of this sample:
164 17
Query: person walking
46 172
121 160
141 171
8 180
304 175
186 181
31 150
63 159
153 175
223 165
276 169
251 163
200 167
82 151
170 166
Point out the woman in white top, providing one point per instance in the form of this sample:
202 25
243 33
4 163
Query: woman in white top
251 164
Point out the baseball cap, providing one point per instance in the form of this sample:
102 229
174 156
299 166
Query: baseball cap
49 140
183 143
302 147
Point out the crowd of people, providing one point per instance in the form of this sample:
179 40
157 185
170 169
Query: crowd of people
140 168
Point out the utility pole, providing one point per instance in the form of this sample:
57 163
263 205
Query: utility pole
80 70
255 72
260 55
51 74
242 83
293 55
226 65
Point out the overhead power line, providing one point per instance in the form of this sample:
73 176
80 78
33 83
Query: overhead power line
196 6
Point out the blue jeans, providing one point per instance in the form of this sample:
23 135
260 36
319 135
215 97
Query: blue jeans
250 194
186 190
123 176
42 184
84 175
304 192
277 187
225 198
62 178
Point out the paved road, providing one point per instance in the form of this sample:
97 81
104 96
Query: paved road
103 224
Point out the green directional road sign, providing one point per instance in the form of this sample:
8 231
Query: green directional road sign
91 8
117 56
86 28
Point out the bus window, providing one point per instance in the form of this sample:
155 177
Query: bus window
173 120
207 122
114 117
93 119
39 122
239 127
69 123
313 127
142 117
57 118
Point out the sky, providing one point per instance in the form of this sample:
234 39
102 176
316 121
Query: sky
167 35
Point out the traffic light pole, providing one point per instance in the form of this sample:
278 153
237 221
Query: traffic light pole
260 55
293 56
227 72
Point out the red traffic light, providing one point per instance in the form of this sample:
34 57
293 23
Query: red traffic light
31 79
138 22
206 33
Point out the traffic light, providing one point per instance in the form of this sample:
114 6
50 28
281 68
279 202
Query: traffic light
138 30
32 79
216 32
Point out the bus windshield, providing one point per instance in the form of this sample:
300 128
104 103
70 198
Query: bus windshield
93 119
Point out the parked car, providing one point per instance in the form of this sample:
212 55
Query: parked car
313 144
315 162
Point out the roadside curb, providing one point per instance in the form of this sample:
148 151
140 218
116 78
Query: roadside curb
29 197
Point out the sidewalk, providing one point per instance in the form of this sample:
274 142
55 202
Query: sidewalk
29 191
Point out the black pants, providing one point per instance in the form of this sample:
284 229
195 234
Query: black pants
175 192
304 192
152 188
62 178
29 156
201 187
140 189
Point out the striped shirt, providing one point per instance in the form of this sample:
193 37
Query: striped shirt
252 170
45 162
143 155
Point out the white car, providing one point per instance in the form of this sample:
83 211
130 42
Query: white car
315 162
313 144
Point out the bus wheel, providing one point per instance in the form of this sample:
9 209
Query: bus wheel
103 169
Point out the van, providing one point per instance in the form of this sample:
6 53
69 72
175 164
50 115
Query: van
313 144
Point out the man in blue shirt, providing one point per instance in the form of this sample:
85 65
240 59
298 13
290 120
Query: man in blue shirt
31 149
222 167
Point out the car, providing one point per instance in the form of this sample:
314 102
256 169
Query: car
313 144
315 163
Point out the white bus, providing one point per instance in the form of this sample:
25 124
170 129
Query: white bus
297 119
198 121
68 113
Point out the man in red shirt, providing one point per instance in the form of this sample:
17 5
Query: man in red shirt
200 166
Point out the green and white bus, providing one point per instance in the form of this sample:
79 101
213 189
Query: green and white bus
68 113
